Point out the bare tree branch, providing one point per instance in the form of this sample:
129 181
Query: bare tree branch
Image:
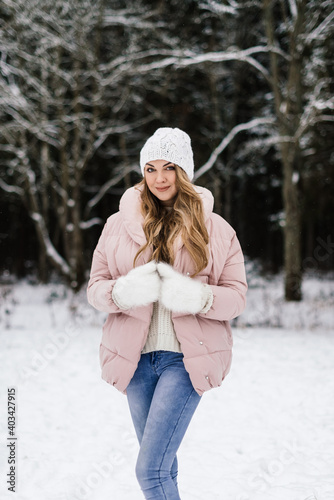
226 141
106 186
11 189
317 31
231 55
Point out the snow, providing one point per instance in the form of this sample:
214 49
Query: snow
217 8
293 8
266 434
295 177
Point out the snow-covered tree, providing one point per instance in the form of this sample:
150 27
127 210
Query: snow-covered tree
293 57
301 81
82 83
59 105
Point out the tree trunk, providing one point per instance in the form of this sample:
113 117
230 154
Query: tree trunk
292 229
287 90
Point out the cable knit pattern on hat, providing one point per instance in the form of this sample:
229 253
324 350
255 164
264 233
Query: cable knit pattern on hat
171 144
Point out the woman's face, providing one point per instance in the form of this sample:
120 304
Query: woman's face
160 178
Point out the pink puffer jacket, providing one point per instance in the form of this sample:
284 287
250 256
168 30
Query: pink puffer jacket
206 339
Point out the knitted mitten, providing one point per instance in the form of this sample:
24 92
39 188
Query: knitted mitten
180 293
140 287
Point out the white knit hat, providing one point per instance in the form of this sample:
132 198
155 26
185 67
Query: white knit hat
171 144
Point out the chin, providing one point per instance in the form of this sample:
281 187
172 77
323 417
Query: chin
167 201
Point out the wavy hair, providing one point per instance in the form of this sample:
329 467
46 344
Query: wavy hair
162 226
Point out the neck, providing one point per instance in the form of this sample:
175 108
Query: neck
168 203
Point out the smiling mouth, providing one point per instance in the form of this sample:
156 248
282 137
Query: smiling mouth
162 189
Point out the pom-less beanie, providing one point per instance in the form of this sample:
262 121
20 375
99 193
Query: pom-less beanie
171 144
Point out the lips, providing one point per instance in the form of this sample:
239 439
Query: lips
161 190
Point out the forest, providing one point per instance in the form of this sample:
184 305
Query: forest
83 84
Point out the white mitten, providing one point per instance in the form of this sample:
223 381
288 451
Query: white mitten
180 293
140 287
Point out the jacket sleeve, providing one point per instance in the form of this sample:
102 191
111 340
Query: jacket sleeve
101 283
229 295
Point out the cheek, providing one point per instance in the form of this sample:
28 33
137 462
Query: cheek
148 181
172 179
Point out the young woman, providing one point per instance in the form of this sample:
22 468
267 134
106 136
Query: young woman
170 273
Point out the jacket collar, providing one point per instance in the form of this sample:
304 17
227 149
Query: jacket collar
129 208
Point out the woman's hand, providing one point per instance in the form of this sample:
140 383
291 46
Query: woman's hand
140 287
180 293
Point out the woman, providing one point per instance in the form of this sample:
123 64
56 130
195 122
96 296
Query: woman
170 273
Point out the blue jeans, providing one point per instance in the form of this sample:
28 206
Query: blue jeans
162 402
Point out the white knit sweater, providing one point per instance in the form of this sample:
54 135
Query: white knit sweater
161 334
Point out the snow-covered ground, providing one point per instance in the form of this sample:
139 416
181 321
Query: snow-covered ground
266 434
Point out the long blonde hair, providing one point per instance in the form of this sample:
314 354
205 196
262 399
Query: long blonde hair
162 226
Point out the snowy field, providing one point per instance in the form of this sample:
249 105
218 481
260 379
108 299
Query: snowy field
266 434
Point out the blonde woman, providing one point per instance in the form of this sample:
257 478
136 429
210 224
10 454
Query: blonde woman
171 275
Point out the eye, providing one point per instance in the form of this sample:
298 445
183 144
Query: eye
149 169
171 167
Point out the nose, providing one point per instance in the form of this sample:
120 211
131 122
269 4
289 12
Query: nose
160 177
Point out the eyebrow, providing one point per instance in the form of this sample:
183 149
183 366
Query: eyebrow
165 165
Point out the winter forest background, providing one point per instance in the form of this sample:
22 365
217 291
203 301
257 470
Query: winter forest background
83 84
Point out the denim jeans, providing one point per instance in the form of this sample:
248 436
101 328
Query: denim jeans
162 402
